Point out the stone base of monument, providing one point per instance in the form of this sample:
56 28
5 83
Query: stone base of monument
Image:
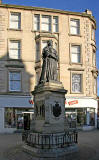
50 135
51 145
51 153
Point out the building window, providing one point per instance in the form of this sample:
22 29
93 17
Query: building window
44 44
93 33
14 81
74 26
75 53
46 23
94 58
37 51
15 20
95 85
55 24
14 49
37 22
76 83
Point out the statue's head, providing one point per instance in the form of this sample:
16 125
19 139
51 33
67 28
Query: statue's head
49 43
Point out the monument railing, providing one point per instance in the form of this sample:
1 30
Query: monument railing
72 124
47 141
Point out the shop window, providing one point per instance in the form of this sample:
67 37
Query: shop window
10 118
75 53
14 117
81 116
76 83
91 114
55 24
14 81
37 22
15 20
75 26
46 23
14 49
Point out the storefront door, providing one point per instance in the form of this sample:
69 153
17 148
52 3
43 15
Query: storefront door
26 121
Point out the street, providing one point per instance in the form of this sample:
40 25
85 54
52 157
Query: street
88 142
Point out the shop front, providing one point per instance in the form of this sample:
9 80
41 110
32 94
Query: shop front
83 112
16 118
12 113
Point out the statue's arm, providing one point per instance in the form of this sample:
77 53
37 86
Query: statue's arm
54 55
45 53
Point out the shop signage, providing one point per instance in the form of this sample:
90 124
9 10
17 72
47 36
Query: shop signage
65 102
73 102
31 101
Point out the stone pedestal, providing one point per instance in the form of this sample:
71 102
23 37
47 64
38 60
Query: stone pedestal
49 135
49 108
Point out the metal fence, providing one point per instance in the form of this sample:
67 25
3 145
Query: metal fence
47 141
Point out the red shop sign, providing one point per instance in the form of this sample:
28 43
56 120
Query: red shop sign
31 101
73 102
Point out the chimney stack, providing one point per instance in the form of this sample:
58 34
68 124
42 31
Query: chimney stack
88 12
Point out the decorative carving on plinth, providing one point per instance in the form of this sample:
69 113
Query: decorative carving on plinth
57 110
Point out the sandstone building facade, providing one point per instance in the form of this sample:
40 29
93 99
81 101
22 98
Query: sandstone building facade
24 32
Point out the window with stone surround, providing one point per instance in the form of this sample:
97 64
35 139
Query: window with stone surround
15 20
75 26
37 51
93 33
36 22
55 24
44 44
94 57
14 81
46 23
14 49
76 83
75 54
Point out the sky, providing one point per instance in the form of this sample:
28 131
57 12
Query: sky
68 5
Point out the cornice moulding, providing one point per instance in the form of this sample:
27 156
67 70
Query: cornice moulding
49 10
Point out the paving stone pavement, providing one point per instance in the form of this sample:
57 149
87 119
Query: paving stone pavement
10 148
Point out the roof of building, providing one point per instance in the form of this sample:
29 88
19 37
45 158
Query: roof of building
87 13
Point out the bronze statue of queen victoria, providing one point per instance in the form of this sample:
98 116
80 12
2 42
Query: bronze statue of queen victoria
50 62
